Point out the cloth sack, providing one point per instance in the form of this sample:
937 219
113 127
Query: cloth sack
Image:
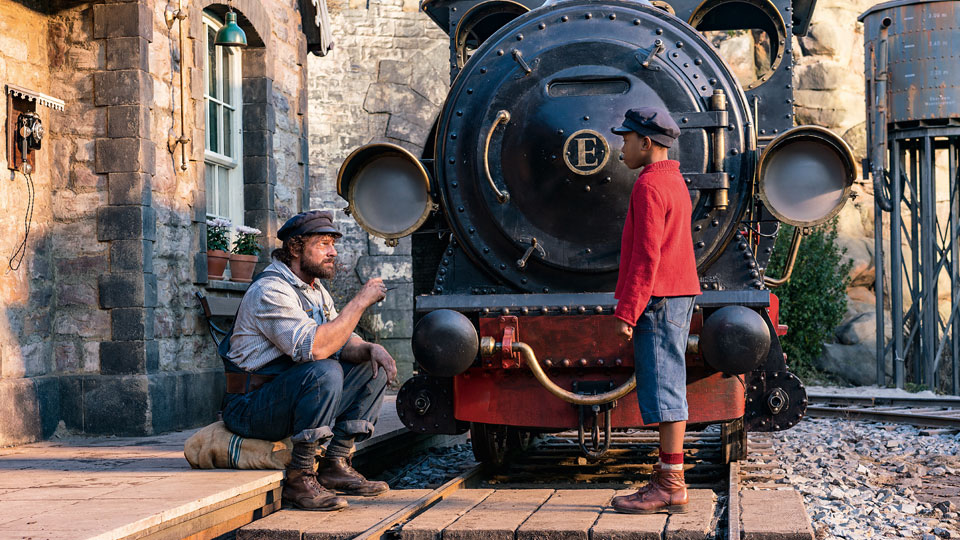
215 447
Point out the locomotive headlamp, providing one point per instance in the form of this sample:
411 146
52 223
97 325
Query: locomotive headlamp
445 343
387 188
805 175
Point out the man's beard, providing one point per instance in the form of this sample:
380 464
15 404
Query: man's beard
317 270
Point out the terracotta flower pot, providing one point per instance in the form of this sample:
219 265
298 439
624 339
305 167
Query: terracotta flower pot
241 267
216 263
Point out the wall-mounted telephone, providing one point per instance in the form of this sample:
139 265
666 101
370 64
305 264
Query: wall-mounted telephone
29 135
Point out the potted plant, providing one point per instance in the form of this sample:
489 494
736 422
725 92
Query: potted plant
218 246
243 259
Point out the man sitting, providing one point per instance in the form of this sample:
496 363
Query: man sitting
296 369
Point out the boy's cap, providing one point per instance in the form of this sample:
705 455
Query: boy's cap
312 222
652 122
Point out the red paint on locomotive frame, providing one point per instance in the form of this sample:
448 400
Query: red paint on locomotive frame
505 392
774 312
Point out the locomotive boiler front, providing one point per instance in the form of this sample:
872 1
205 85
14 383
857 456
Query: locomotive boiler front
527 168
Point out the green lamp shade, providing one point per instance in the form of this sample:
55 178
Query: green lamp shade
231 35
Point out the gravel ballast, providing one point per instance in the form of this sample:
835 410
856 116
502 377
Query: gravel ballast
868 480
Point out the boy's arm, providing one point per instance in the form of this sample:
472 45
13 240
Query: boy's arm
648 229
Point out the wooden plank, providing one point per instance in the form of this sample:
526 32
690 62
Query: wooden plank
792 521
733 502
698 522
430 524
221 521
612 525
567 515
498 516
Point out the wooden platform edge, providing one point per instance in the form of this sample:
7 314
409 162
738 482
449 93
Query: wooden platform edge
216 519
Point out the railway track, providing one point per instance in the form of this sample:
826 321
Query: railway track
935 412
551 491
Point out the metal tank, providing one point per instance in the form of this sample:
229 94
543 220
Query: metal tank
921 42
912 54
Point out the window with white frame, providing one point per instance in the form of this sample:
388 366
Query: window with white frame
223 156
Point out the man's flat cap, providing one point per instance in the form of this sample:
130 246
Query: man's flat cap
312 222
652 122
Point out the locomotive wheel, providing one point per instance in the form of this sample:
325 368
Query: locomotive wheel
490 443
518 439
733 441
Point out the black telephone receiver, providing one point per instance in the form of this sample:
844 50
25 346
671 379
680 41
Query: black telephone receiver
29 135
29 131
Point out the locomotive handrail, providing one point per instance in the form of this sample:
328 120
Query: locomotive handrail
502 117
488 346
791 260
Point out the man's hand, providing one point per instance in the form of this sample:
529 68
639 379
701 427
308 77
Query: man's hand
380 358
624 330
372 292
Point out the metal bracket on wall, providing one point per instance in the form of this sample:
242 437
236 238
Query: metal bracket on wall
177 15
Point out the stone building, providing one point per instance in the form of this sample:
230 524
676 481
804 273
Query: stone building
99 329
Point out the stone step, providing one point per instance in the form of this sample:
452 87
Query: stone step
791 523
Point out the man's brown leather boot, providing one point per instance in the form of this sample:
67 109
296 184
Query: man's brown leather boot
301 490
667 493
336 473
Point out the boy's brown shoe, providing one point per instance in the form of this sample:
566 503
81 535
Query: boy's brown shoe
666 493
301 490
336 473
653 480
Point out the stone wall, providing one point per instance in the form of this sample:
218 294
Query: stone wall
50 322
384 81
100 331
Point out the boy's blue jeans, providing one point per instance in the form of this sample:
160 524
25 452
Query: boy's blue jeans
310 402
659 351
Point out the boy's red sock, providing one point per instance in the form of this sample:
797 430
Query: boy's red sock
671 462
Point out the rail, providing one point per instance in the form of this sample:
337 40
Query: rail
937 412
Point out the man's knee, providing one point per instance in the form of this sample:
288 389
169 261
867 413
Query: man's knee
377 381
325 376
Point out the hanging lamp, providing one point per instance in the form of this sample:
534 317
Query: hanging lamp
231 35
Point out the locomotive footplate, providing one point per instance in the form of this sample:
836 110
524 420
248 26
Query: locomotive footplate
596 450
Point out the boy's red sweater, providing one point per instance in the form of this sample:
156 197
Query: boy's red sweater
656 251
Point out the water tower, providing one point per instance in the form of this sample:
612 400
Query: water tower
913 141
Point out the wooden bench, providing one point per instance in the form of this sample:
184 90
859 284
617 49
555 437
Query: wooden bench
219 312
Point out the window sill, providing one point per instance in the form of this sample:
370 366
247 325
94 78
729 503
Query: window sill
222 285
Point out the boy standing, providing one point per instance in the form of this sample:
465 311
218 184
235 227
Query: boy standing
655 291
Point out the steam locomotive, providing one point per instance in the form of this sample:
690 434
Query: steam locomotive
516 206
